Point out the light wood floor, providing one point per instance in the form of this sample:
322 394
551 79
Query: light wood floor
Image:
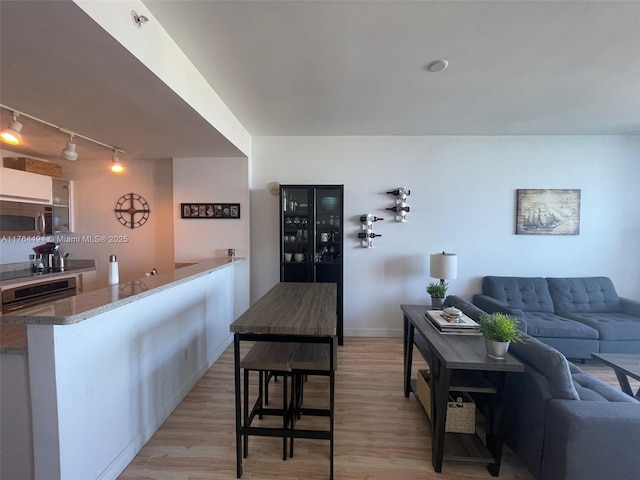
379 434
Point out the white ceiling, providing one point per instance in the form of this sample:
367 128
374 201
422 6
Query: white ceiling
333 68
358 67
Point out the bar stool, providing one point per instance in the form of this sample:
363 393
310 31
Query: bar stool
306 360
267 358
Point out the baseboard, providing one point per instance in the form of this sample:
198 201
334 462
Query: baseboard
373 332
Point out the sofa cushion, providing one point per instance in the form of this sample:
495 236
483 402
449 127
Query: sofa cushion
550 363
611 326
525 293
592 389
544 324
584 295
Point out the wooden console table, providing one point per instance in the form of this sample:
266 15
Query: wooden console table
289 312
458 363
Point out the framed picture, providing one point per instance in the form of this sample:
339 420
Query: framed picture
210 210
548 212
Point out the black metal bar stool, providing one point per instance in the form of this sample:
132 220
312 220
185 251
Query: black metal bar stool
267 358
310 359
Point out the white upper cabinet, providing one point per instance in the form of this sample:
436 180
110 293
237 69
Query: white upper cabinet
19 186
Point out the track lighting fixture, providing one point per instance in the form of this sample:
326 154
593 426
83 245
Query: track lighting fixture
69 152
11 134
116 166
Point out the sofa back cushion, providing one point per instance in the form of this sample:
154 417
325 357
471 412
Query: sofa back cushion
528 294
550 363
584 295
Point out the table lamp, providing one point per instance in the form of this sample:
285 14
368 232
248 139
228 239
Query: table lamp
445 267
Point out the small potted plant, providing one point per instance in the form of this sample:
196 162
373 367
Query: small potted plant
437 290
499 330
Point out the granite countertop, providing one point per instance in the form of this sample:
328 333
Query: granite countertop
13 337
72 310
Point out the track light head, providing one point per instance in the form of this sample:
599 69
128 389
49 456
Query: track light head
116 166
11 134
69 152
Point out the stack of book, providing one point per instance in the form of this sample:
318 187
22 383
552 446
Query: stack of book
463 326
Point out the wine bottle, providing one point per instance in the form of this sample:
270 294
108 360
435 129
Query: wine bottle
399 208
400 191
369 235
370 218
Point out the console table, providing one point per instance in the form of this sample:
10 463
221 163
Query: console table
289 312
458 363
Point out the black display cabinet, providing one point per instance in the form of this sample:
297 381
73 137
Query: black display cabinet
311 237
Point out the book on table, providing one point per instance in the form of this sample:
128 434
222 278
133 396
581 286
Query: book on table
464 325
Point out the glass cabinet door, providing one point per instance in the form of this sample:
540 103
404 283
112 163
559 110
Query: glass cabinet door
61 205
328 227
295 237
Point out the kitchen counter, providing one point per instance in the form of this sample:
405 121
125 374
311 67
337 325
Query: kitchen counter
73 267
118 361
76 309
13 337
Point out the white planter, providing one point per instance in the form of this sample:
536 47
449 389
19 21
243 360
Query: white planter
497 350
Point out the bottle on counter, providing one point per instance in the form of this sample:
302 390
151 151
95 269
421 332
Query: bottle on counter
114 276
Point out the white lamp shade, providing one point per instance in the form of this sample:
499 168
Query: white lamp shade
443 265
69 152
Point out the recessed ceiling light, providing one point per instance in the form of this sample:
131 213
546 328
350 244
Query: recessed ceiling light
437 66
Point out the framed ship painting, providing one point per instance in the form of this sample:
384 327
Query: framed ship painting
548 212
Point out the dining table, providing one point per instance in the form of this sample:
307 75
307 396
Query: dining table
294 312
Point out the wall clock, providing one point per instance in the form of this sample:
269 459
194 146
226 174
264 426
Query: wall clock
132 210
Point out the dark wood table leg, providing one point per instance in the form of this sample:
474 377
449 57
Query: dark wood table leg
495 440
624 383
236 366
440 382
408 355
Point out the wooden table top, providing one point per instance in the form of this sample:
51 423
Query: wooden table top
629 363
462 352
292 308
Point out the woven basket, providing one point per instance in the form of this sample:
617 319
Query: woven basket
461 415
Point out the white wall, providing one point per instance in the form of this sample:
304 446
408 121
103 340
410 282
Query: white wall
95 192
463 200
210 180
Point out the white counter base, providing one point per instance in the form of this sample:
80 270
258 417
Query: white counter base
101 387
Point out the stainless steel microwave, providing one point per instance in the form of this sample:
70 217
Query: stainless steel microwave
25 219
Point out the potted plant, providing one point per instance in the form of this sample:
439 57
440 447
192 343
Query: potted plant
499 330
437 290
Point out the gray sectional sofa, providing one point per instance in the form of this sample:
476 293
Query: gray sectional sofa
577 316
562 423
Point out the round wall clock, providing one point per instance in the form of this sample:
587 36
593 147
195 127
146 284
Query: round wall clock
132 210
